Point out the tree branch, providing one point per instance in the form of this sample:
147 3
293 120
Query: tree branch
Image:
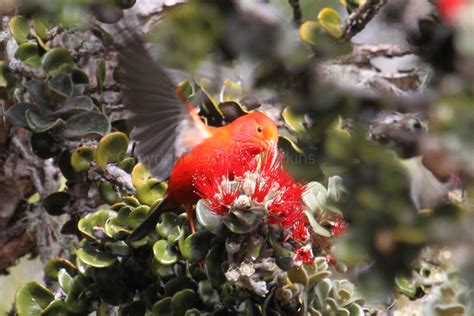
362 54
297 14
358 19
117 177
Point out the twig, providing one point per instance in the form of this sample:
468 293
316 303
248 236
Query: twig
20 68
297 14
117 177
362 54
358 19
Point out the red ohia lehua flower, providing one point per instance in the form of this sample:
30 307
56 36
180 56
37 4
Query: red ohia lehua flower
450 8
264 180
339 227
219 190
304 255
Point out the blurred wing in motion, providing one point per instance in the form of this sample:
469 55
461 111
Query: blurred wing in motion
164 126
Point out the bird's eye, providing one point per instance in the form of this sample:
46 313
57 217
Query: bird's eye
259 129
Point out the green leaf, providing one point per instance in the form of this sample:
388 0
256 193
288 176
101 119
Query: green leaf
167 222
208 219
406 286
60 88
184 300
16 114
55 203
39 123
149 190
88 223
356 310
6 76
41 27
213 262
95 257
56 58
283 256
330 21
299 275
81 158
44 145
186 89
318 229
231 110
309 32
100 74
208 294
208 105
293 120
104 37
137 216
42 44
196 246
76 301
131 201
32 298
162 307
314 196
20 29
161 270
243 222
127 164
175 234
64 164
194 312
136 308
288 143
53 267
164 253
78 76
87 123
37 90
77 104
117 227
140 175
231 91
108 193
118 248
29 54
178 284
111 148
55 308
65 280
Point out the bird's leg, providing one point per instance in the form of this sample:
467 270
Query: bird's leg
190 212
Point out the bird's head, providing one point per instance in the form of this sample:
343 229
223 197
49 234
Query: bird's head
255 128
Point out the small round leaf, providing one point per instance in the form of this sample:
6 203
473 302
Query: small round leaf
309 32
87 123
111 148
55 58
184 300
330 21
81 158
54 204
164 253
32 298
20 29
95 258
29 54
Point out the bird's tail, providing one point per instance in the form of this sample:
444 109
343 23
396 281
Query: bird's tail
150 221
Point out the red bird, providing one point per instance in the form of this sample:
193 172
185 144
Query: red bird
171 138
